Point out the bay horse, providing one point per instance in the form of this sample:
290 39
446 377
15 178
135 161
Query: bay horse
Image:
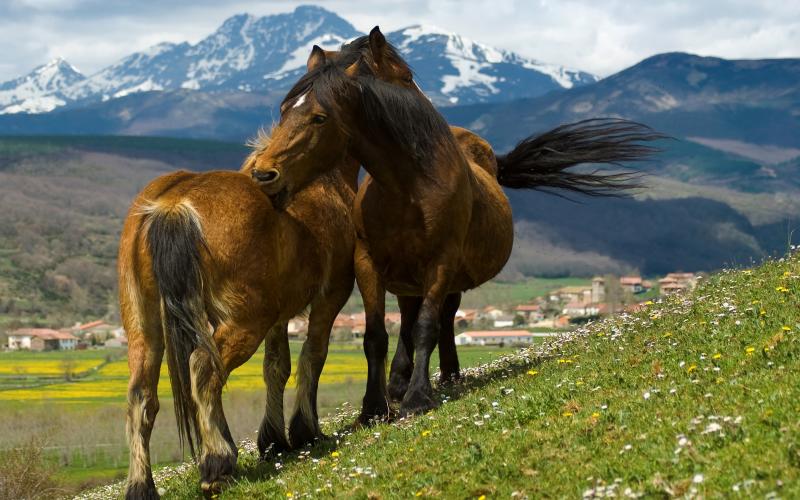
588 141
430 222
209 267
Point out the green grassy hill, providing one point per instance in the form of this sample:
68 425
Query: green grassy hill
692 396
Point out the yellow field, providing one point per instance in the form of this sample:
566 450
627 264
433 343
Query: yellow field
108 384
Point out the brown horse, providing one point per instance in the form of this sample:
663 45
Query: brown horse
430 222
209 267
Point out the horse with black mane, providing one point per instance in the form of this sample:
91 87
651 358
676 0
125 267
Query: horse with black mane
430 222
209 267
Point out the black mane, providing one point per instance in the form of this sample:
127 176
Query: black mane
402 116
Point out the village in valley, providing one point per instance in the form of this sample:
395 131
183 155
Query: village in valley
506 325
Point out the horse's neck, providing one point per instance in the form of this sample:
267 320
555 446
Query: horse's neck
397 172
349 168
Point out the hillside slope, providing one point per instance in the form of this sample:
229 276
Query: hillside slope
693 396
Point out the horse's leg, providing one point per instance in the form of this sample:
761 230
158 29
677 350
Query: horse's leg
419 396
304 425
145 352
236 342
448 357
277 368
403 362
376 340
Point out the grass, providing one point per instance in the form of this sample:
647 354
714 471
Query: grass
694 396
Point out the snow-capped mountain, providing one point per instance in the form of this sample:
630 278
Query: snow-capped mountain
266 54
41 90
453 69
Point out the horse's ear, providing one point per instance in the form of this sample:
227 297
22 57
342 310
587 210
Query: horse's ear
316 58
352 70
377 43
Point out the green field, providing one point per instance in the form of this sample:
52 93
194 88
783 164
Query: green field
81 422
693 397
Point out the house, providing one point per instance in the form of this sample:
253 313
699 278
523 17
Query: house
631 284
572 294
353 325
676 282
491 312
581 309
494 337
297 328
530 312
41 339
503 321
98 330
392 321
466 317
117 342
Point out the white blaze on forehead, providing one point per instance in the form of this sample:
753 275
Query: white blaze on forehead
300 100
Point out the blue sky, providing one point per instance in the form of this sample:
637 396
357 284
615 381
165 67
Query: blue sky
598 36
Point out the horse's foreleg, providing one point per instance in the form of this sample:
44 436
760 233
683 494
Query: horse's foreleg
145 352
419 396
448 357
403 361
277 368
376 340
304 425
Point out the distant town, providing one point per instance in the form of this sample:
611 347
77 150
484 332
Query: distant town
516 324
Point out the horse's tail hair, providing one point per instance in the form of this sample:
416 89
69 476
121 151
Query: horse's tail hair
175 240
542 161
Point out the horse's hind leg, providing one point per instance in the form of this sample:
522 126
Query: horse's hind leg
217 450
236 341
277 368
403 361
448 357
145 352
304 426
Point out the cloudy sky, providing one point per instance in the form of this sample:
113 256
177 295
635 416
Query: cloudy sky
597 36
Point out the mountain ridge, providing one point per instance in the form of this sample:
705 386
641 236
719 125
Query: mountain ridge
264 54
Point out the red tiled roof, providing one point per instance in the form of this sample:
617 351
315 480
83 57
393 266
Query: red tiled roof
498 333
89 325
630 280
43 333
528 307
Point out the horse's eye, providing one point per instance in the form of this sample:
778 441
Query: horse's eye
318 119
408 78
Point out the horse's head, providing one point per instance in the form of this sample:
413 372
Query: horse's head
310 138
382 59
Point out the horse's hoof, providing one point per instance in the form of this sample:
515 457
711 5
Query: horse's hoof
446 379
301 433
397 389
215 472
374 411
270 443
145 490
416 403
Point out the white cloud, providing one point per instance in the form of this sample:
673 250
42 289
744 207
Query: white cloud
601 37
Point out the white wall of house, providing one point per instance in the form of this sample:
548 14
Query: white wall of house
16 342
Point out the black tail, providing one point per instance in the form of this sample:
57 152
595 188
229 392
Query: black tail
175 240
541 162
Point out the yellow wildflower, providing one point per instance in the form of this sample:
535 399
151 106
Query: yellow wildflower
566 414
532 372
716 356
750 350
691 369
482 497
668 334
786 328
426 433
579 382
334 454
649 303
595 415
